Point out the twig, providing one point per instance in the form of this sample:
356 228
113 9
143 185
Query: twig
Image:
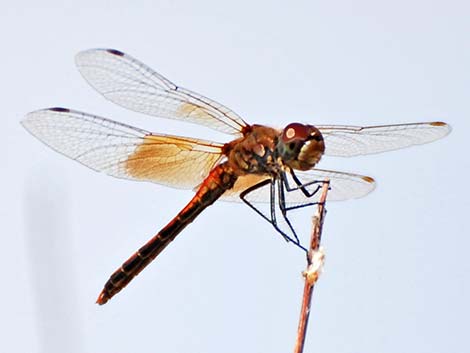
315 259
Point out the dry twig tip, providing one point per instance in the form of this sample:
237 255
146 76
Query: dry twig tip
315 260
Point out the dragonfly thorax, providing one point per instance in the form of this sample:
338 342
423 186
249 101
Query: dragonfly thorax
300 146
255 152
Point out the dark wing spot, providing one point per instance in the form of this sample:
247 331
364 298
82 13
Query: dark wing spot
438 123
368 179
61 110
115 52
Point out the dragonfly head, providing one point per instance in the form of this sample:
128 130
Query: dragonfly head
300 146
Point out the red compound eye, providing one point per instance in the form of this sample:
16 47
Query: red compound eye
295 131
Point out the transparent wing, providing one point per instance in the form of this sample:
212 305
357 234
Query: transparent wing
348 141
343 186
124 151
131 84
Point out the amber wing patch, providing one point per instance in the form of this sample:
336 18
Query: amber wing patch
174 161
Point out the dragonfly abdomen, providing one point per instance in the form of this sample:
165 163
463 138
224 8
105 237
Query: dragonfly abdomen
219 180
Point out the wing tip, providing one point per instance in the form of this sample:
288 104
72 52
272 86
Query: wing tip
101 50
32 121
28 122
82 60
25 122
44 110
372 184
444 126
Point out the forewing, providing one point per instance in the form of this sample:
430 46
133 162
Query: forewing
343 186
348 141
133 85
124 151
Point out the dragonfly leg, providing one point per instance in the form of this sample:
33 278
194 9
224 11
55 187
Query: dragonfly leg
244 193
272 219
282 206
284 209
301 186
283 186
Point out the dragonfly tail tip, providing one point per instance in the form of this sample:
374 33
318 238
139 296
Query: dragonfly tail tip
102 298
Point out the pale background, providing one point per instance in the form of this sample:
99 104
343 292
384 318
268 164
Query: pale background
397 270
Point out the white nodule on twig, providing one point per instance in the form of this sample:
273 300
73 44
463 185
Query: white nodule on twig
315 268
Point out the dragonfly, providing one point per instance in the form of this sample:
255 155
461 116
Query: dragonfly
260 164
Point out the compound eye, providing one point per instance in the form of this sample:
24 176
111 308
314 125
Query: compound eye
295 132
